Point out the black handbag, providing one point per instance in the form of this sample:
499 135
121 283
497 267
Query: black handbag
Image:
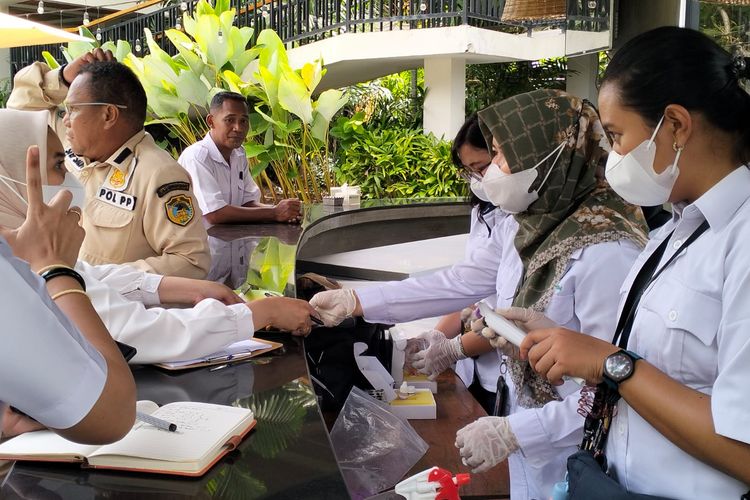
588 481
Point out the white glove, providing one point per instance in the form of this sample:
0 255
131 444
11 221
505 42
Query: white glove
486 442
440 354
500 343
527 318
334 306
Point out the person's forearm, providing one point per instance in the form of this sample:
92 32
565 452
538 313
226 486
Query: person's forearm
114 412
683 415
475 345
233 214
176 290
450 325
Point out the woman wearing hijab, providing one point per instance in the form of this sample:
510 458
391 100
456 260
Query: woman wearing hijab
565 251
120 293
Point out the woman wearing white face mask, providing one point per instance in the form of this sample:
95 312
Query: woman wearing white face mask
476 361
680 363
120 293
565 252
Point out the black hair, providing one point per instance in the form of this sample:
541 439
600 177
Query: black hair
113 82
218 100
470 133
671 65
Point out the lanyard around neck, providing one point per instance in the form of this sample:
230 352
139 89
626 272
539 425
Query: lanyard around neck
643 280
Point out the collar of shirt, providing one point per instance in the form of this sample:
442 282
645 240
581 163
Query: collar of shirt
718 204
120 159
215 154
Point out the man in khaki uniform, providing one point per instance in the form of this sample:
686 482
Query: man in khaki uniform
140 208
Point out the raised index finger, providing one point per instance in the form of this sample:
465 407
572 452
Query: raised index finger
33 179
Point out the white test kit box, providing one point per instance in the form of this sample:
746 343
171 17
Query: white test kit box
419 406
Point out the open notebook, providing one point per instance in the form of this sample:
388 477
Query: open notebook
205 433
238 351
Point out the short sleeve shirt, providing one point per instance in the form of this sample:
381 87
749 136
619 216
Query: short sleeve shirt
216 183
47 369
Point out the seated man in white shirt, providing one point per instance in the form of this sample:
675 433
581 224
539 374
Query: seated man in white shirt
218 165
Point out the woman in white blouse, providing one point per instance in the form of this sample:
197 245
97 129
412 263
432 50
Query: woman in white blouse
58 364
679 121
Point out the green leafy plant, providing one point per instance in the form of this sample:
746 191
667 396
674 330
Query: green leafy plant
397 163
5 88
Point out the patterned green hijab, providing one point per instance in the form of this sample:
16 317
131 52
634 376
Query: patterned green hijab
576 207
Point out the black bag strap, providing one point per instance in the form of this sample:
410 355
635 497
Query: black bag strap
643 279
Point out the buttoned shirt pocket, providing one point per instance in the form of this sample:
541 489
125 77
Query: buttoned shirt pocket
677 329
561 307
112 229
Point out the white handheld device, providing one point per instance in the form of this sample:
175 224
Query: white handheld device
510 331
504 327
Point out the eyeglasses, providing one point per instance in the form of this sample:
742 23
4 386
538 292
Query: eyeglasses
71 106
475 174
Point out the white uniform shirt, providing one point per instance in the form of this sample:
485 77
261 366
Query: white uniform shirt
585 299
120 295
486 364
216 183
693 324
47 369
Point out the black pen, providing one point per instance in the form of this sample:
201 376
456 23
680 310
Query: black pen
316 320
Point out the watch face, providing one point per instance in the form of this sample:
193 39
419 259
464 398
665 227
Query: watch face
618 366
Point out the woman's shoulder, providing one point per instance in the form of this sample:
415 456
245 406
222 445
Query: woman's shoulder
606 257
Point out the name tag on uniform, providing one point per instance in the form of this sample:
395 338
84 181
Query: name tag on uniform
121 200
72 160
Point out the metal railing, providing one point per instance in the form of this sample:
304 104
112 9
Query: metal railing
299 22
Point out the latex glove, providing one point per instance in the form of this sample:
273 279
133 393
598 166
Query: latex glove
486 442
479 327
527 318
440 354
334 306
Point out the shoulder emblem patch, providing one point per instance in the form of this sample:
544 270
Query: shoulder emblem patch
172 186
180 209
117 178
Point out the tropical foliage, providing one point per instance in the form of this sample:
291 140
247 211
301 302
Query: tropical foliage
395 163
289 128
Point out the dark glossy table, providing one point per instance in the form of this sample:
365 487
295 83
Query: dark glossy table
289 454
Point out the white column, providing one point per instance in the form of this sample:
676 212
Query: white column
581 77
445 80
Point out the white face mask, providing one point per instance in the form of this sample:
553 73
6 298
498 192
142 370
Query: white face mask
510 192
633 176
48 192
71 184
476 187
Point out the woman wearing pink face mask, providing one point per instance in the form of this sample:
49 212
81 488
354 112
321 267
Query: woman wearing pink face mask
565 251
672 379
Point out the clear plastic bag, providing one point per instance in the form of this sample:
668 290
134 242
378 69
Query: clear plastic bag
374 448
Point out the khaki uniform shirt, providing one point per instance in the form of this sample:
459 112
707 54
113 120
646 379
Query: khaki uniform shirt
140 207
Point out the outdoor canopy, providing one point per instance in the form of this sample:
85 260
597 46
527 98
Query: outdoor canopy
20 32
